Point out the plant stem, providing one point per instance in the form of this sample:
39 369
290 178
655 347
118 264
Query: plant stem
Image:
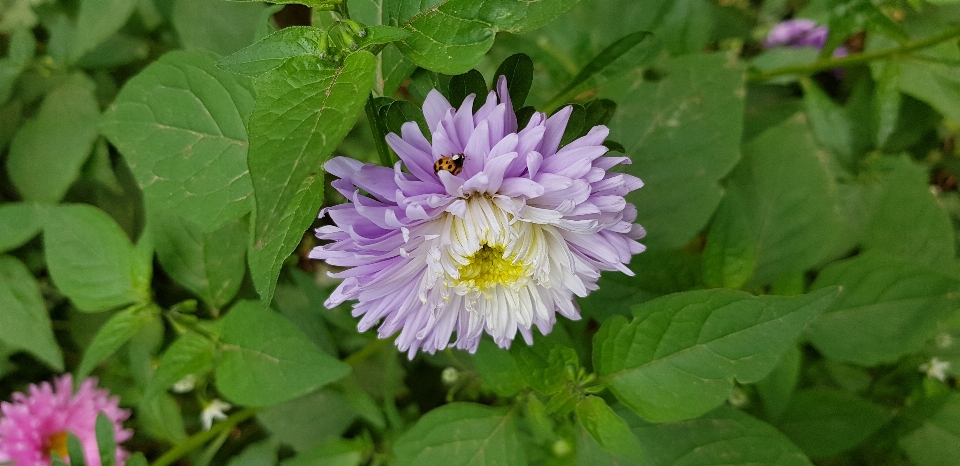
379 133
858 59
202 437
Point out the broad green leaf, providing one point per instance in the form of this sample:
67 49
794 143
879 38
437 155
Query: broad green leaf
728 258
137 459
640 47
931 76
121 327
159 417
462 85
219 26
333 452
451 36
609 430
190 354
936 441
262 453
180 125
302 113
265 360
887 101
824 422
399 112
20 51
19 223
106 442
306 422
274 50
461 434
24 322
725 436
75 450
98 20
42 167
889 308
784 190
544 364
393 70
518 70
679 356
683 130
90 258
498 369
211 265
906 220
656 272
778 386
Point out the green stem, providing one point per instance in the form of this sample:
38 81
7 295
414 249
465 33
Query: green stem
379 133
202 437
356 358
858 59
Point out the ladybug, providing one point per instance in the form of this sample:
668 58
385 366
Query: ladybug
452 164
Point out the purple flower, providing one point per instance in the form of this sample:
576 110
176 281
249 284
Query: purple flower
39 421
801 33
489 229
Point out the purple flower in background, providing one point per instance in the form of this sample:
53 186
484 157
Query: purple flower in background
800 33
490 229
39 421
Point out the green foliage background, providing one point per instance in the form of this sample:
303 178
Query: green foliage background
160 172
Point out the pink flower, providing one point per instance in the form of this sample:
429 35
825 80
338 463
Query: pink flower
37 422
485 228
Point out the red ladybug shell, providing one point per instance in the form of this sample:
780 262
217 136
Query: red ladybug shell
452 164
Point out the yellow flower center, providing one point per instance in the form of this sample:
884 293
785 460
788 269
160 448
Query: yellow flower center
58 443
487 267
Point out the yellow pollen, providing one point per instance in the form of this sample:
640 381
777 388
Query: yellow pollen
58 443
487 267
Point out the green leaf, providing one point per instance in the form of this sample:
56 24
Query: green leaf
462 85
399 112
889 308
21 49
906 220
121 327
211 265
518 69
544 364
724 436
936 440
608 63
380 35
190 354
159 417
678 357
180 125
460 434
333 452
98 20
931 76
106 442
656 272
784 189
728 258
303 111
265 360
777 387
90 258
306 422
24 323
42 167
498 369
452 36
274 50
609 430
19 222
824 422
216 25
137 459
683 130
75 450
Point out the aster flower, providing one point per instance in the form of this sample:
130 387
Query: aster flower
490 227
800 33
38 421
